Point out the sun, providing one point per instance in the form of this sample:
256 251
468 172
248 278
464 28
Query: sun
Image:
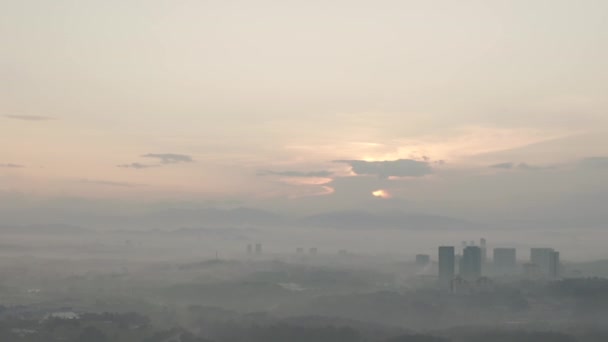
381 193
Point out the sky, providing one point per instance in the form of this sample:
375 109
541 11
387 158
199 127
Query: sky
472 108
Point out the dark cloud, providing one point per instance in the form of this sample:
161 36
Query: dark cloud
169 158
506 166
29 117
595 162
310 174
136 166
12 166
388 168
109 183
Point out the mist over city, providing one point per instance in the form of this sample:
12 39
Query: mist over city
303 171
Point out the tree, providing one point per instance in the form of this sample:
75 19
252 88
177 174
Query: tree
92 334
416 338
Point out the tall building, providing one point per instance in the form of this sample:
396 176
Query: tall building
484 254
300 250
463 245
313 251
258 248
505 261
249 249
555 265
422 260
547 261
470 265
447 263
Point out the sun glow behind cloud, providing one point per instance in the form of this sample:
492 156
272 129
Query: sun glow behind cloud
381 194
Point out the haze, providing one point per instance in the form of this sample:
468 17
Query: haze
327 171
488 111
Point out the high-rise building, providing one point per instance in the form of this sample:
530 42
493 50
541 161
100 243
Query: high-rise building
300 250
258 248
505 261
313 251
249 249
470 265
463 245
547 261
447 265
555 265
484 254
422 260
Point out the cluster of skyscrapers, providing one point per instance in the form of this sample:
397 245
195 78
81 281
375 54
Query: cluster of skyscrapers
472 264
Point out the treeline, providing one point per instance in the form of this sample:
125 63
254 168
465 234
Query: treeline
136 328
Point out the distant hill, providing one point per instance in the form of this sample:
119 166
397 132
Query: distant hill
44 228
597 268
237 222
393 220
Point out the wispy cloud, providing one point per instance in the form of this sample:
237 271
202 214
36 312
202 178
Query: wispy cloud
389 168
529 167
29 117
163 159
12 166
170 158
520 166
137 166
309 174
109 183
506 166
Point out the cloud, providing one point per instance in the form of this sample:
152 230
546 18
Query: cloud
526 166
506 166
136 166
29 117
109 183
389 168
169 158
520 166
595 162
163 159
12 166
309 174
